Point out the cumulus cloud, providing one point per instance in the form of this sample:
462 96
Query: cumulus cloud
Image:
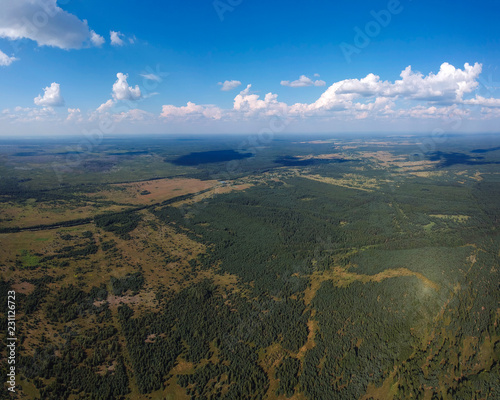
482 101
97 40
74 114
303 81
490 113
371 96
44 22
116 38
51 96
105 106
251 104
448 85
192 109
446 94
425 112
122 91
5 60
229 85
28 114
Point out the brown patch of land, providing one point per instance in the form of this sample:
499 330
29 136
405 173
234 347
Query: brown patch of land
31 213
477 176
182 367
350 181
388 160
330 156
147 297
172 391
384 392
382 156
269 359
414 165
221 189
327 141
23 287
153 191
341 277
312 326
427 174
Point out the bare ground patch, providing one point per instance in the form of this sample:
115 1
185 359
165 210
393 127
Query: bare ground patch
154 191
350 181
341 277
23 287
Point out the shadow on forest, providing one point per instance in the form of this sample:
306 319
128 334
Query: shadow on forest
449 159
485 150
206 157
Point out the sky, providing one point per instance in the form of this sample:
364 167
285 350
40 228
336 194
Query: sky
238 66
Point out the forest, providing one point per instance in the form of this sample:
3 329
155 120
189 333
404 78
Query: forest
289 280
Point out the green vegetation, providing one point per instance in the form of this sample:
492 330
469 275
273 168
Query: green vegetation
29 260
120 224
284 280
133 282
287 373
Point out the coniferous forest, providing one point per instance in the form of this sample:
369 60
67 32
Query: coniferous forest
287 274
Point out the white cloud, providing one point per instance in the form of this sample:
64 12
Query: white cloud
425 112
122 91
413 99
44 22
490 113
74 114
415 96
27 114
133 115
303 81
51 96
229 85
251 104
5 60
192 109
97 40
116 39
448 85
482 101
105 106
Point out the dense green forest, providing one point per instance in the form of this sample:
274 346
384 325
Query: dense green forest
303 280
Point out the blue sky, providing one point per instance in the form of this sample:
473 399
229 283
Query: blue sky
322 66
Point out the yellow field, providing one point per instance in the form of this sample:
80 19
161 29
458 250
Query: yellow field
153 191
